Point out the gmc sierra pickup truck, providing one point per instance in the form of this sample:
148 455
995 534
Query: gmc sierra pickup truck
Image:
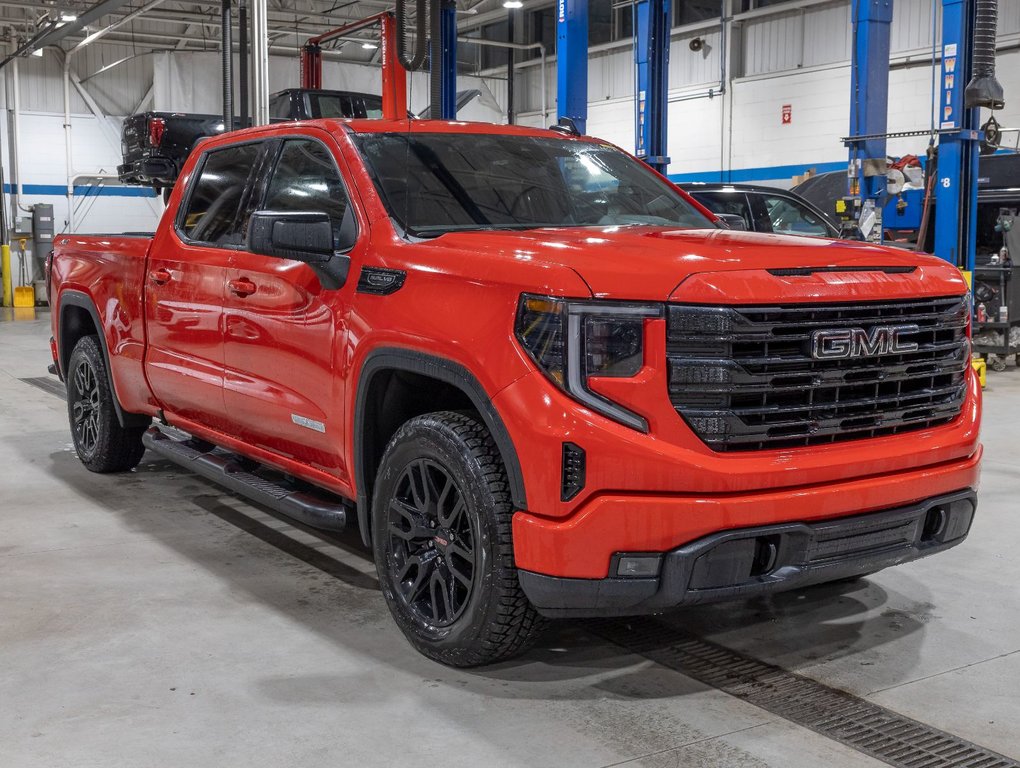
539 378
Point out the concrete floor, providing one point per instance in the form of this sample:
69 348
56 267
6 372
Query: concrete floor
153 620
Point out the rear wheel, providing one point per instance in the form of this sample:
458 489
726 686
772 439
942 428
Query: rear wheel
443 545
102 444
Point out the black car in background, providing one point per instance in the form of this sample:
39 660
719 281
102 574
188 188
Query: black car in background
155 145
764 209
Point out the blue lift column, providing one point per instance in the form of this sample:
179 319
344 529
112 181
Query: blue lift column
572 61
652 24
956 183
869 108
448 61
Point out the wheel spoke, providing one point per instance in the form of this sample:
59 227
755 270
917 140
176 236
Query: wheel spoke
416 526
422 577
455 513
442 499
438 594
418 476
458 574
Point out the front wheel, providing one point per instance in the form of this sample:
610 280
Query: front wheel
443 546
102 444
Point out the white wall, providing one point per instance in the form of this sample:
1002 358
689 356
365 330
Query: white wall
794 57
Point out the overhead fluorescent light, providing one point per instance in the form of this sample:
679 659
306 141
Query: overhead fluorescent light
369 45
68 17
513 4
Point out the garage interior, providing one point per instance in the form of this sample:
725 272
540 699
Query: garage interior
155 618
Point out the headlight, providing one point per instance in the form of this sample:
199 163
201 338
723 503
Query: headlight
571 341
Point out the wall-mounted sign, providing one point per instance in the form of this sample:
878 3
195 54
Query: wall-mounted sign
787 114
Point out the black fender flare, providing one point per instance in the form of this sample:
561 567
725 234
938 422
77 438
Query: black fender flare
449 372
72 298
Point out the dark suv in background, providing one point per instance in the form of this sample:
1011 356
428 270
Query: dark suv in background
764 209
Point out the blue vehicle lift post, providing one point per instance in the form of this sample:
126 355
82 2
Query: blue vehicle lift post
956 183
448 60
653 20
869 108
572 61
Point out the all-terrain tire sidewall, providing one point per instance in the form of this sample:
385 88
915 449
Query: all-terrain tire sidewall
117 448
482 483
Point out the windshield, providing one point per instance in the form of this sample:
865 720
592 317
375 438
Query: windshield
433 183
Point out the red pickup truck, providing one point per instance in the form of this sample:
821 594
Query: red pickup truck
540 379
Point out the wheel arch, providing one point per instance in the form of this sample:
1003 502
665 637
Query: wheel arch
380 369
79 317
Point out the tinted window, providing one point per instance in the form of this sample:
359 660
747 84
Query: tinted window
726 202
306 179
217 212
434 183
279 108
790 217
345 105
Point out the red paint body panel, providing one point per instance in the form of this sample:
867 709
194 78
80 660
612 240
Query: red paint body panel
236 369
110 270
581 546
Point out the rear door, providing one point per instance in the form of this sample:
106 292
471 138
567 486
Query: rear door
186 285
283 329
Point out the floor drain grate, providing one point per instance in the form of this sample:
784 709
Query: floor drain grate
50 385
866 727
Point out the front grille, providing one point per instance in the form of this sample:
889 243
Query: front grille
744 379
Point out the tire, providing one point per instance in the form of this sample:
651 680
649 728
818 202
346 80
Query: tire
441 517
102 444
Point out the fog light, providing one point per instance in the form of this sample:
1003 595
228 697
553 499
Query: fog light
638 566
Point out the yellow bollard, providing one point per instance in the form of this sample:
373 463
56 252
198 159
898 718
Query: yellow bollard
5 270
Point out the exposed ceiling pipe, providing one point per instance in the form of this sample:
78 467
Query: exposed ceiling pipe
260 62
227 65
242 60
61 30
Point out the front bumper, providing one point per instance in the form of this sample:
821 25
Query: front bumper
759 560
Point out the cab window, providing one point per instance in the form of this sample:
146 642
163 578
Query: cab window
219 205
734 203
306 179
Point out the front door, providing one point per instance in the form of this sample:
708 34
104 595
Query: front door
283 329
185 287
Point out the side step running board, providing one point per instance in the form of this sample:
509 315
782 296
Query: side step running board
224 469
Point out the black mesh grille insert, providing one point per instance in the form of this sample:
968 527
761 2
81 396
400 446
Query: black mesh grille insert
744 378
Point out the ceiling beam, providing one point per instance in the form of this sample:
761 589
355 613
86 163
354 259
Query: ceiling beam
88 16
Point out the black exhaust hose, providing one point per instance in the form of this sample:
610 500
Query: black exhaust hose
984 90
436 57
242 61
227 56
415 61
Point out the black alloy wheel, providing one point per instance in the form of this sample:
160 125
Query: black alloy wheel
443 542
102 443
85 404
432 541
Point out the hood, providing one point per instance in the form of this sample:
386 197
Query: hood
656 264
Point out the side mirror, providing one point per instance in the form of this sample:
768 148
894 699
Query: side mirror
301 236
732 221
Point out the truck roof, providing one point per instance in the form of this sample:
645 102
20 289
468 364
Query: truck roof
415 126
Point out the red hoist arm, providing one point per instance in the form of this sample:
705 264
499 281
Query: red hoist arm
394 76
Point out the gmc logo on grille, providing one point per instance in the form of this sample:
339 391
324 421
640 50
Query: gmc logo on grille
842 343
